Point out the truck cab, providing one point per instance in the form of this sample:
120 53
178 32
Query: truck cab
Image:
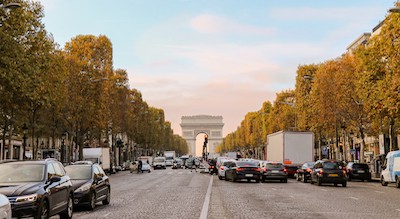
391 169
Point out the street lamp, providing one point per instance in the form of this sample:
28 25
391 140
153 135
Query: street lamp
394 10
25 131
3 9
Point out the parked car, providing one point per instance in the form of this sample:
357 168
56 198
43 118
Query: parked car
304 172
274 171
159 163
223 167
243 170
358 171
39 188
328 171
5 207
91 184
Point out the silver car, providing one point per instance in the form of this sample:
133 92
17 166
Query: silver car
225 164
5 207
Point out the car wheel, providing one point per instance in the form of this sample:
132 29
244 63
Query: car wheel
311 180
285 180
383 182
67 214
344 184
226 178
92 202
219 177
318 181
397 182
335 184
298 177
43 211
107 200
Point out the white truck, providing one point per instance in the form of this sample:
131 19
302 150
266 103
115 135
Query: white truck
169 157
290 147
100 156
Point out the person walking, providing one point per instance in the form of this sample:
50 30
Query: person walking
139 169
193 165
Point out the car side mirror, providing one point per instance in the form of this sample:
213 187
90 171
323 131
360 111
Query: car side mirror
55 179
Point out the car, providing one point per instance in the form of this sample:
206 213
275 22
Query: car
391 169
189 162
5 207
91 184
328 171
358 171
274 171
37 188
159 163
291 169
225 164
146 167
239 170
177 164
303 173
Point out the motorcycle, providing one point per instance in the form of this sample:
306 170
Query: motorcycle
212 169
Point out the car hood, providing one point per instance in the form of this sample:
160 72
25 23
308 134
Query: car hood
76 183
17 189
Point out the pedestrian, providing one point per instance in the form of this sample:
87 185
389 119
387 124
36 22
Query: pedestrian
193 165
139 169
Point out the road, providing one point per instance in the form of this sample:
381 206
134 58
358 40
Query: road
182 194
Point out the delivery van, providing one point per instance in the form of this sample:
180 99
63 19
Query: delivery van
391 169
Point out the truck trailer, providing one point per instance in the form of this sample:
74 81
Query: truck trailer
100 156
290 147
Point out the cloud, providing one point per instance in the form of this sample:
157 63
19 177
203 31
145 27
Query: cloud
208 23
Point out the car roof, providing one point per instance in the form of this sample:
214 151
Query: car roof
31 161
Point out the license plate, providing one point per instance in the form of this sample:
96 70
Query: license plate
248 175
275 171
360 171
333 175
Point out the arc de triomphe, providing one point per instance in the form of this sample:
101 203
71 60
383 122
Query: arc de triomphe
194 125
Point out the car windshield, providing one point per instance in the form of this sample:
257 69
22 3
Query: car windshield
21 173
245 164
159 160
309 165
331 165
362 166
79 172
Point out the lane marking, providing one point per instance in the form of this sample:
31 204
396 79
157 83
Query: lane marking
379 192
397 209
106 215
353 198
324 190
204 210
274 189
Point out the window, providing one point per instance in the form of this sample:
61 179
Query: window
59 170
50 171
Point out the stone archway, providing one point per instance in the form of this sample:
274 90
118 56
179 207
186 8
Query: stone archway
194 125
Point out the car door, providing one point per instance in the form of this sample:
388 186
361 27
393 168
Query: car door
63 185
100 182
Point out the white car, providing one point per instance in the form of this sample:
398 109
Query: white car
145 167
5 207
225 164
159 163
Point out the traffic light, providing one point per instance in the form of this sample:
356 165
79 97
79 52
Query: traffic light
206 139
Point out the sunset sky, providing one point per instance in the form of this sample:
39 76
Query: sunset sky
215 57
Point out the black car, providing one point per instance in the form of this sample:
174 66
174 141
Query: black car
358 171
304 172
243 170
274 171
91 184
38 189
328 171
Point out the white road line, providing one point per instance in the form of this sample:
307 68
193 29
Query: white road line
324 190
274 189
204 210
397 209
106 215
379 192
353 198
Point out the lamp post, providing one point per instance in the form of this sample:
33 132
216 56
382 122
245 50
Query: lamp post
25 131
3 9
63 148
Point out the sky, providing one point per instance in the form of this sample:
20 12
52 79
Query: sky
215 57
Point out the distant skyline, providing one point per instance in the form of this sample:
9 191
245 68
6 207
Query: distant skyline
215 57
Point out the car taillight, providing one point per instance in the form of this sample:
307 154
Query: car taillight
284 170
344 172
221 168
265 169
308 169
211 166
240 169
321 171
257 169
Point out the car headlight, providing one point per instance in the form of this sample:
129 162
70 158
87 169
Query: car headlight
84 187
27 198
5 211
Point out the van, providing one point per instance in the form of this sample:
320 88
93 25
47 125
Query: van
391 169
